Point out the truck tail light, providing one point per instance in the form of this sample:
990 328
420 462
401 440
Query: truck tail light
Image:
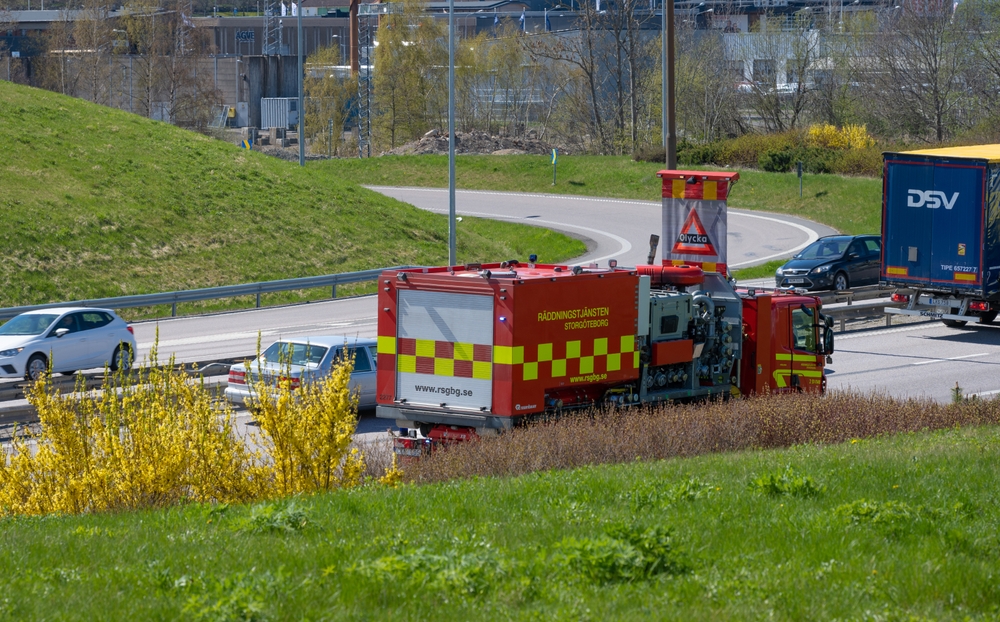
979 305
900 298
237 377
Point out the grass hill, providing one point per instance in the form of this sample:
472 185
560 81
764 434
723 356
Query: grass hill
99 202
890 529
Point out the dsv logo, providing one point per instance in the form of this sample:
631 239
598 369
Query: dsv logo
931 199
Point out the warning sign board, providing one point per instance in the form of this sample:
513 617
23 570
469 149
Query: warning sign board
695 232
693 238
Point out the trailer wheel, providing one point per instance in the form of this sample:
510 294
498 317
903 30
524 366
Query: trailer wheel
988 317
953 323
840 282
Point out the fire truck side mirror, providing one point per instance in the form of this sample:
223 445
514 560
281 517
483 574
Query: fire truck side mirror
828 341
654 241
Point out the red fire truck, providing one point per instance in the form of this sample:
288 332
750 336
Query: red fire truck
469 350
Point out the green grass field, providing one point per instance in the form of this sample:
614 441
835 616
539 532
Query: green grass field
97 202
897 528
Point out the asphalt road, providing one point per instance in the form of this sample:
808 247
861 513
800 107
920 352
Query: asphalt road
918 360
617 228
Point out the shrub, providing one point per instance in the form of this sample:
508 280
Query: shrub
150 440
158 438
308 431
775 161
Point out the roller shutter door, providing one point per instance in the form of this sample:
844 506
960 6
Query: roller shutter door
445 349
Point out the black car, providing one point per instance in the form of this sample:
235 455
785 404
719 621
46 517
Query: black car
834 262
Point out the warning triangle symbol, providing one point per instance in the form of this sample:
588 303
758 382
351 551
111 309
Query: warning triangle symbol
693 239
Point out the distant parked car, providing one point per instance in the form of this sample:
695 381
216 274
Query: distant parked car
834 262
306 359
69 339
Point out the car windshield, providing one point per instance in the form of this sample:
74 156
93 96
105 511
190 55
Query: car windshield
825 249
287 353
28 324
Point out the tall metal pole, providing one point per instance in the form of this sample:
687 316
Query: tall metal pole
452 255
669 118
302 112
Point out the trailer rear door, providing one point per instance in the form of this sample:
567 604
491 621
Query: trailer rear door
445 349
933 222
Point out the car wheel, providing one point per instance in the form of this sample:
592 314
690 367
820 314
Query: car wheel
953 323
37 367
122 358
988 317
840 282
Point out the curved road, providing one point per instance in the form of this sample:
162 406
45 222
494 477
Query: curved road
617 228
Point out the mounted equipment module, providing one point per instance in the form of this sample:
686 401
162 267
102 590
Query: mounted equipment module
469 350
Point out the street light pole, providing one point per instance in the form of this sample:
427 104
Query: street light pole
452 254
667 77
302 112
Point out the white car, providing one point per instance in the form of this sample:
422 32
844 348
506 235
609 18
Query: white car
67 338
305 359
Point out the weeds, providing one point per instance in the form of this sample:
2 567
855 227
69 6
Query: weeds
788 482
668 431
274 518
623 554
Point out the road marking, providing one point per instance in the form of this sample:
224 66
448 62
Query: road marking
954 358
811 235
625 245
876 333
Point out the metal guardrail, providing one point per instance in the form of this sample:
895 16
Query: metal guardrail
212 293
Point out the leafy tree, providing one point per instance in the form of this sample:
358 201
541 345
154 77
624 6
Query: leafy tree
914 77
410 76
328 96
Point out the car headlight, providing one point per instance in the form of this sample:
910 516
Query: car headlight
821 269
779 272
11 352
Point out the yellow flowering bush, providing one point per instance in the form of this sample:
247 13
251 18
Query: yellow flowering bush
307 431
848 137
159 437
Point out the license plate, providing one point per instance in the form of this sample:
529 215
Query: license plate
796 280
402 451
939 302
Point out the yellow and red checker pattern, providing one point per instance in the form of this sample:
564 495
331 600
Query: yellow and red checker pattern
444 358
707 187
553 360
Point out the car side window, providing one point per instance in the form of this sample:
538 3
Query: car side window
93 319
70 322
857 248
874 248
361 362
373 351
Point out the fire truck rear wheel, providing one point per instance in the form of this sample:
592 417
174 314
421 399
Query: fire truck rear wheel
953 323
